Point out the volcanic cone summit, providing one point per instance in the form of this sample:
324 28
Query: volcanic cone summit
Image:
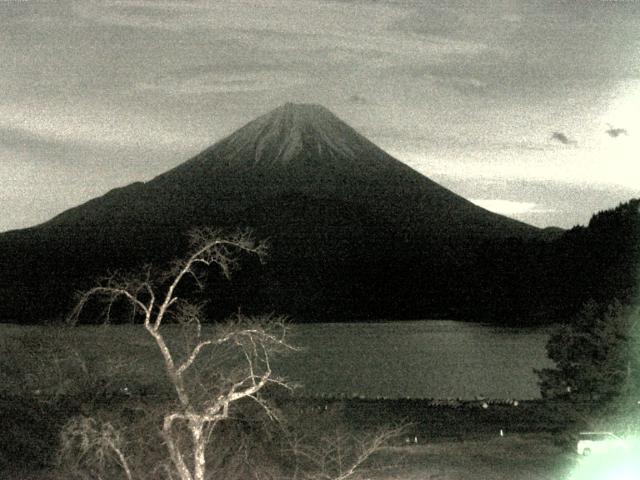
294 135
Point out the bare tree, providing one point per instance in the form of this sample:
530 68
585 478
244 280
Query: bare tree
210 370
98 443
338 454
244 345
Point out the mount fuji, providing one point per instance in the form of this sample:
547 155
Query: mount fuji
354 232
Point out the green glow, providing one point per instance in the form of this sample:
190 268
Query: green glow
618 464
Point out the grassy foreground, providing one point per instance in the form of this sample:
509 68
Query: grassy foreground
514 457
50 375
444 442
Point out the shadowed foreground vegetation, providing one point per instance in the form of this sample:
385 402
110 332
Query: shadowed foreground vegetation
52 385
50 375
251 442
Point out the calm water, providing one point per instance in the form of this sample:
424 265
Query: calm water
421 359
432 359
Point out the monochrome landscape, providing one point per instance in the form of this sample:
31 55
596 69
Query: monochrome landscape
319 239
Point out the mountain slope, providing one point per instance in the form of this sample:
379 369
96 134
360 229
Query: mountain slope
307 150
354 232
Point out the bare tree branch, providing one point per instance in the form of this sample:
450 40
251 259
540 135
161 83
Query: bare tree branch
338 455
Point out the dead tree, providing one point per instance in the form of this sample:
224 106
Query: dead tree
203 400
96 442
338 454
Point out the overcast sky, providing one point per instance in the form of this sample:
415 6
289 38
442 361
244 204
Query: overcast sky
529 108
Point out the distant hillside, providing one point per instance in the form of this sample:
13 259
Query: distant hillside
354 233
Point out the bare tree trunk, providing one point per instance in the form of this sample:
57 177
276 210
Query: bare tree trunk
174 451
170 368
199 444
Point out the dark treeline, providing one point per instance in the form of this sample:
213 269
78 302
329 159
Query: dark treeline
542 281
336 273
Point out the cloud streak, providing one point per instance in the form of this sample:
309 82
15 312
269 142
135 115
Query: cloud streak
213 82
285 26
358 99
59 125
510 207
562 138
615 132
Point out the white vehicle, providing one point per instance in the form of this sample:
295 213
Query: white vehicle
599 442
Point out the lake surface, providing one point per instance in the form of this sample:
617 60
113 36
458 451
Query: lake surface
418 359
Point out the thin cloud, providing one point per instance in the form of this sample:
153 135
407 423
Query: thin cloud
226 82
358 99
20 139
510 207
87 126
616 132
562 138
285 26
464 85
